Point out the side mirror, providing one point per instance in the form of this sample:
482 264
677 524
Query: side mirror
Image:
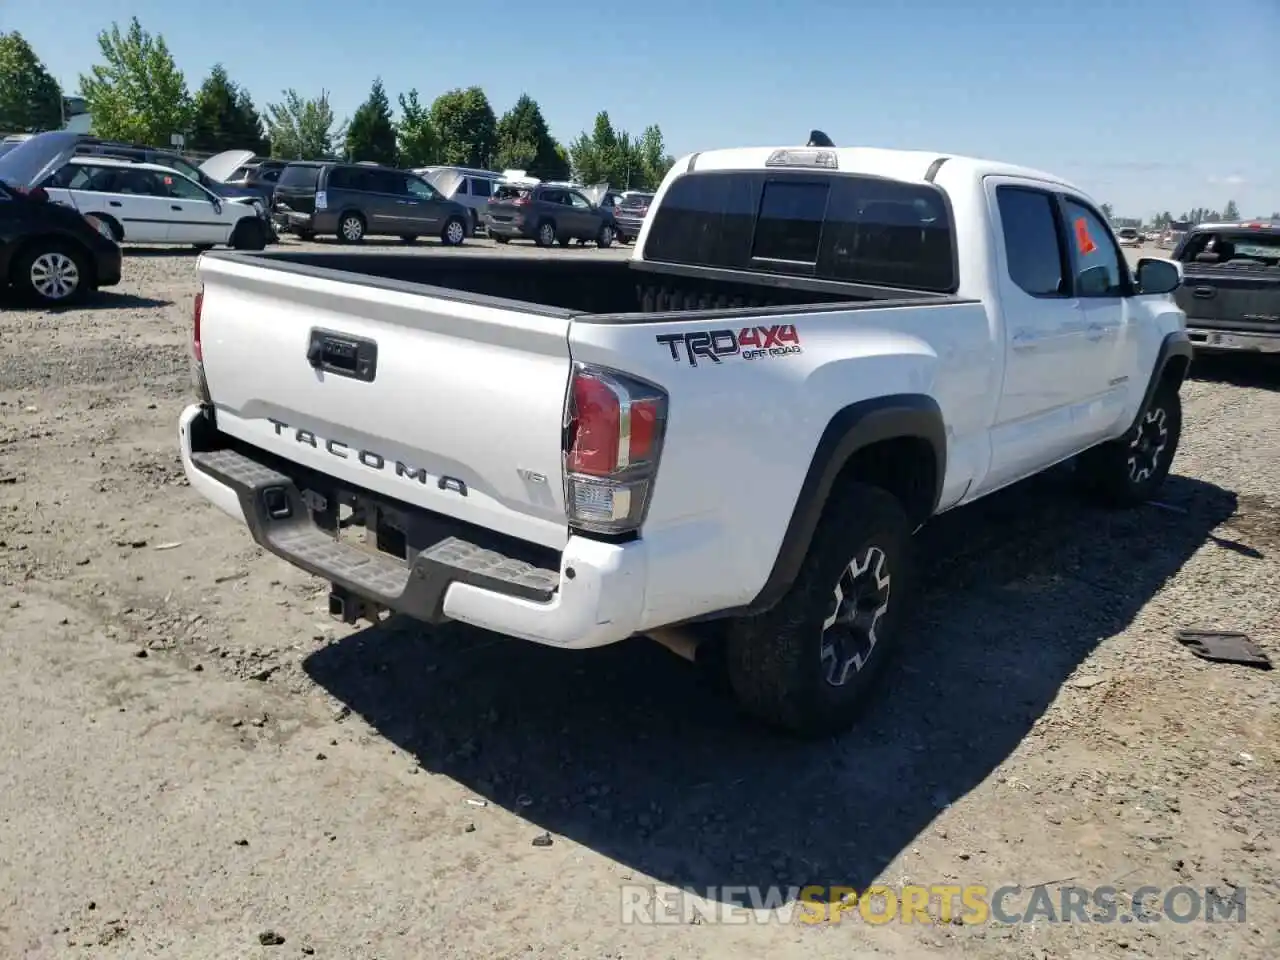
1157 275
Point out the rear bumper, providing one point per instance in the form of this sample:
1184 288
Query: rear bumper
1233 341
594 598
628 225
290 221
503 228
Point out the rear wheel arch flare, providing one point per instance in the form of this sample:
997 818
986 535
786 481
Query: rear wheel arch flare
898 442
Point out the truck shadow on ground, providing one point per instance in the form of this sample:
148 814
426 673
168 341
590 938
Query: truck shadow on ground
626 751
1259 371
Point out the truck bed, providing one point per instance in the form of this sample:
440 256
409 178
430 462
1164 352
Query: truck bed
618 290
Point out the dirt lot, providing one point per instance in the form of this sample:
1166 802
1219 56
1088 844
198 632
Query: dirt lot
197 763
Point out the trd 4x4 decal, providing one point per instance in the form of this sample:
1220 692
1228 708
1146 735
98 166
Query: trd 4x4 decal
750 343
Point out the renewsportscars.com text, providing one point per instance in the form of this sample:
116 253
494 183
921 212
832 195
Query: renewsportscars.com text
944 903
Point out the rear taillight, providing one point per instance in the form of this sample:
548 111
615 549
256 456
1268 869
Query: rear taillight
198 382
614 425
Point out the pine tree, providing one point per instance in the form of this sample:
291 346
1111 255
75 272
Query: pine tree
371 135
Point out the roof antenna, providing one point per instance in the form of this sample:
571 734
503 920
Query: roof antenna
819 139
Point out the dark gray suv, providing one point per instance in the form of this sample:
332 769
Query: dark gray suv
354 200
547 214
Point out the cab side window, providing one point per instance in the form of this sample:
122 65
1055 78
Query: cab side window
1095 258
1032 241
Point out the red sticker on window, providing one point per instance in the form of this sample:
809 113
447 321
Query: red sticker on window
1084 242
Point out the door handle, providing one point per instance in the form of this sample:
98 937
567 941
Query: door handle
174 206
1204 293
1024 342
1097 331
114 203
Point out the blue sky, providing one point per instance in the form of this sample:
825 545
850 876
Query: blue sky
1109 93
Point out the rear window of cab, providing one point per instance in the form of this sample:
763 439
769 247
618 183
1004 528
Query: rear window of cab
846 228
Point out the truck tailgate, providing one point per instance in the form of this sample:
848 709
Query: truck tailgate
447 405
1238 298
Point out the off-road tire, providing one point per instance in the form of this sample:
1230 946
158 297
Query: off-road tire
1129 470
775 661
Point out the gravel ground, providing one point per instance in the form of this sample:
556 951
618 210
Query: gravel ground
197 763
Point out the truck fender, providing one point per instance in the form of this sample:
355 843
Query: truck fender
906 415
1175 350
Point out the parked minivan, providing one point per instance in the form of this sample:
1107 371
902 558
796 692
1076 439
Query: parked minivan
355 200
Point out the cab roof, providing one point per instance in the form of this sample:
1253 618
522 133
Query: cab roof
909 165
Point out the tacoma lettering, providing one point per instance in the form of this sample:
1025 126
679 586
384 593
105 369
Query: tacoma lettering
368 458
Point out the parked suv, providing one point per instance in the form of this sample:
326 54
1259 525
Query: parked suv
546 214
259 175
629 214
355 200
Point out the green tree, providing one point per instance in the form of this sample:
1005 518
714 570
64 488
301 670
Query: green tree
301 129
137 93
418 140
467 127
1232 212
371 134
654 161
30 99
523 142
585 160
609 154
225 117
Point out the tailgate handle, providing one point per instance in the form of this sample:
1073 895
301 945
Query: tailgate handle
1203 293
344 356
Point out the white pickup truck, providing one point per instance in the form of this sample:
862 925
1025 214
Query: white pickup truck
811 353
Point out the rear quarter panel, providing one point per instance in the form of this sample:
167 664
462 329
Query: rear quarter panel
742 433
